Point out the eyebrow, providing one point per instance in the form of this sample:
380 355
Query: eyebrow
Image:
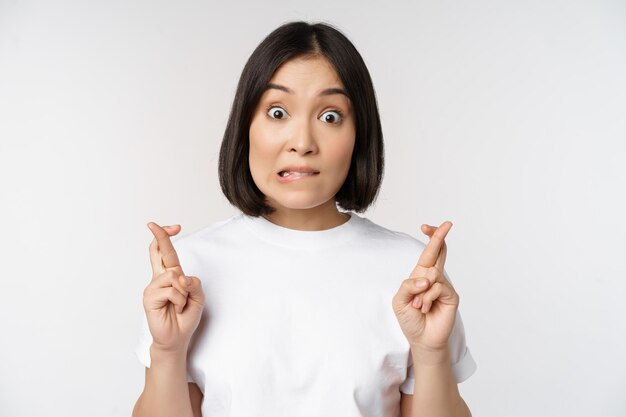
326 92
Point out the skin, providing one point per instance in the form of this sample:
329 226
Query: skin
425 306
426 302
173 301
303 128
173 304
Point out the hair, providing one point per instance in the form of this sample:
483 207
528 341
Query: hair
300 39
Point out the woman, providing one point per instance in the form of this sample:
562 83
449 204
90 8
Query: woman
302 309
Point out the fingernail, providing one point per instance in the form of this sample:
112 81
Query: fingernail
188 281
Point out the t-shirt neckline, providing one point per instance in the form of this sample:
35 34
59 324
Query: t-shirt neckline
280 235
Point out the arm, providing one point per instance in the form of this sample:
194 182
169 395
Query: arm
166 392
435 393
173 303
426 306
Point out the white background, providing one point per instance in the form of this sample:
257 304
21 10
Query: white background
505 117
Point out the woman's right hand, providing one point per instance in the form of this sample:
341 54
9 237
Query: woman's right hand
173 308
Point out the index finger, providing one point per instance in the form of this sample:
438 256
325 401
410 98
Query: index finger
169 257
431 251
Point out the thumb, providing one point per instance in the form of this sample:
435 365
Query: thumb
195 289
410 288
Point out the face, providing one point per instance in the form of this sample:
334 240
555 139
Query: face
304 126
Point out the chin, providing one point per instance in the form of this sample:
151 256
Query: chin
297 202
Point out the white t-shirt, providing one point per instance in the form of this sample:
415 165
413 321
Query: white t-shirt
300 322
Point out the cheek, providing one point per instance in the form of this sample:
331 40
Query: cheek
259 148
343 155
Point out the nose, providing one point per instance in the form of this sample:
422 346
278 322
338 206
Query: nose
302 138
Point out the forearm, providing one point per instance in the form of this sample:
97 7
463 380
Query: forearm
436 393
166 391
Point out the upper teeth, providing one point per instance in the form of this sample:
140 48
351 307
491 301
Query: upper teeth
286 173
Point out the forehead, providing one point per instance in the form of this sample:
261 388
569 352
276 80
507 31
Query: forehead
306 77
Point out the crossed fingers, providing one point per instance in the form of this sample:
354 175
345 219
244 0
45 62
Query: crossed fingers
163 256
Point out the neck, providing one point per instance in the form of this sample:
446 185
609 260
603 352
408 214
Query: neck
325 216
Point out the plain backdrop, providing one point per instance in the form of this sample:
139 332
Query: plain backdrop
505 117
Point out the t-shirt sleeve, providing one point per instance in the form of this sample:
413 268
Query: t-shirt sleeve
461 360
142 348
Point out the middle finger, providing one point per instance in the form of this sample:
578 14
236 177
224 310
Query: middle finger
430 253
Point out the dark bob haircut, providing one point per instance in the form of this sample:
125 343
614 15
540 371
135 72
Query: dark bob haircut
295 40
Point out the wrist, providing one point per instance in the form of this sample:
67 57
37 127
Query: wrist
167 356
430 357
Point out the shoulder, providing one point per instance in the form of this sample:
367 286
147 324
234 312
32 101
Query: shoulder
204 246
393 251
210 232
395 238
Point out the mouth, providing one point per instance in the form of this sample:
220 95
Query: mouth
287 174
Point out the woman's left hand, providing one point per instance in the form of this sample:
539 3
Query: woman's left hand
426 314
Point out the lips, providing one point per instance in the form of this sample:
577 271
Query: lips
297 170
296 173
284 174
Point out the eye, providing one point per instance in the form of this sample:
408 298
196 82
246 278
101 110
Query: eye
335 118
277 113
